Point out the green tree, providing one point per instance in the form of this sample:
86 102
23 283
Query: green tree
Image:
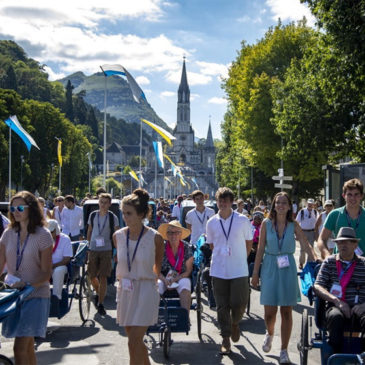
69 110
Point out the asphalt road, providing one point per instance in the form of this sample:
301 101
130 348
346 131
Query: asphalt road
101 341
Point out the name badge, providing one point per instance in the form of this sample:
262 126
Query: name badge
100 241
336 290
127 285
359 251
226 251
283 261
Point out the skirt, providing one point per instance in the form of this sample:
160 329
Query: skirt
29 320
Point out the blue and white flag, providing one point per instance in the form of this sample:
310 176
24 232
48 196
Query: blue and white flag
14 124
119 70
141 179
194 181
157 146
173 169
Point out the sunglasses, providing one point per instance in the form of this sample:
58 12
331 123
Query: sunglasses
59 200
173 233
19 208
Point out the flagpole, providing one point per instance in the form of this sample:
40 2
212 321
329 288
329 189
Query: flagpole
164 197
104 154
140 155
155 176
9 164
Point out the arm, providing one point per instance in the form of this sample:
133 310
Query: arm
322 242
189 268
89 231
304 244
49 213
259 255
159 252
317 225
2 257
248 246
188 226
64 262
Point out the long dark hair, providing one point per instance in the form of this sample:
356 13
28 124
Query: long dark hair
289 215
35 213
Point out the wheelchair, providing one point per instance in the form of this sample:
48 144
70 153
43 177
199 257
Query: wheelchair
319 339
76 286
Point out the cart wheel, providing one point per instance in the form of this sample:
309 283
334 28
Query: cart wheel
199 306
5 360
303 344
85 294
166 339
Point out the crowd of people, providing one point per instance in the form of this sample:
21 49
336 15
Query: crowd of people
35 245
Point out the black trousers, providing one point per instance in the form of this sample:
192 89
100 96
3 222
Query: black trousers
337 324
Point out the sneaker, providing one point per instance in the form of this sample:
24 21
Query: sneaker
284 357
101 310
226 346
235 332
266 347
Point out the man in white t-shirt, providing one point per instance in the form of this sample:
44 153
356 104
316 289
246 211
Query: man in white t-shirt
176 210
230 236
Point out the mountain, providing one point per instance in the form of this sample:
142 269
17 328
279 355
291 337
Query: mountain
120 102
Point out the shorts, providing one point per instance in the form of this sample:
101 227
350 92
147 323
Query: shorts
184 284
100 263
29 319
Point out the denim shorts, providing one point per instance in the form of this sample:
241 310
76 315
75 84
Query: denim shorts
29 320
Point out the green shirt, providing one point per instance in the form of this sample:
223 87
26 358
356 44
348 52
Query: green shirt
338 219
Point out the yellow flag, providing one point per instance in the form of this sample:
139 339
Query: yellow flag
168 159
133 174
182 182
59 152
162 132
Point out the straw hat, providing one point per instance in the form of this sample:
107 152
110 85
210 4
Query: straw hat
163 229
53 225
346 234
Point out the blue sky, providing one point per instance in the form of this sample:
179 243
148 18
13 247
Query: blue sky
149 38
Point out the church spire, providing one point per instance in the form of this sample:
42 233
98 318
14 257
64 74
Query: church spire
184 91
209 142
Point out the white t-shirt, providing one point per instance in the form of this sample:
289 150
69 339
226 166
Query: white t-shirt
309 219
72 220
64 249
229 258
176 211
198 222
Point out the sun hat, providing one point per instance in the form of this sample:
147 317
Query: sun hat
310 201
328 202
53 225
164 227
258 212
346 234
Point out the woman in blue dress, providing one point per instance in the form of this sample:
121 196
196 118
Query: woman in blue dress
279 282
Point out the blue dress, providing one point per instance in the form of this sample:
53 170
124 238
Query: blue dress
279 287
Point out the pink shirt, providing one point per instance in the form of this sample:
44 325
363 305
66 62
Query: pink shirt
30 267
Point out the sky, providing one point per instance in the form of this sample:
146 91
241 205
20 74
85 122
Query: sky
149 38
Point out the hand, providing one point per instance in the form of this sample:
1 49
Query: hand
358 309
344 308
255 280
18 285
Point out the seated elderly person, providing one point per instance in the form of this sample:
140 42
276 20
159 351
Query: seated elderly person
61 256
340 282
177 263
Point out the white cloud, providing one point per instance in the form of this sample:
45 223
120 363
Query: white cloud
143 80
247 19
194 97
213 69
194 78
168 93
216 100
53 75
291 10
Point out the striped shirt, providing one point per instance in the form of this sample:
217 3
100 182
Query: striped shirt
30 267
328 275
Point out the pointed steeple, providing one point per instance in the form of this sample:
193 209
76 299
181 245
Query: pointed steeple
184 91
209 142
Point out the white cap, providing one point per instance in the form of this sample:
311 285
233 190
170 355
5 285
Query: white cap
310 201
53 225
328 202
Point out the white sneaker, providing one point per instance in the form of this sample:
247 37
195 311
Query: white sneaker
284 357
266 347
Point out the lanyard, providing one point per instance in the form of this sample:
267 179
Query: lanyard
101 230
280 241
357 220
343 272
229 229
177 260
135 249
56 244
19 255
201 220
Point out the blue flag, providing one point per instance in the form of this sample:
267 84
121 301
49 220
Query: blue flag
15 126
159 155
119 70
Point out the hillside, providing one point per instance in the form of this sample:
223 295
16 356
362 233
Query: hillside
120 102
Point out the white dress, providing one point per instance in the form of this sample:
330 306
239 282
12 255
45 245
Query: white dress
138 307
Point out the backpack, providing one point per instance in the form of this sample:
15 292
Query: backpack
302 214
111 221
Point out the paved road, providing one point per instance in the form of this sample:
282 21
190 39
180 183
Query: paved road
101 341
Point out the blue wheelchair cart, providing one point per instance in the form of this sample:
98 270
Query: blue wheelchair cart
77 285
172 317
9 300
320 338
